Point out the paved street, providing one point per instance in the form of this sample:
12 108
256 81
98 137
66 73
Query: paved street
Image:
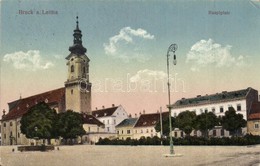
132 155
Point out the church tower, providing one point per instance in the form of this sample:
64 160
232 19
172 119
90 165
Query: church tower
78 87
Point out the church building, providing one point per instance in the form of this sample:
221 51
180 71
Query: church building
75 95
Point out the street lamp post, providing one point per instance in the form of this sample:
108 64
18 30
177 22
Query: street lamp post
36 138
172 48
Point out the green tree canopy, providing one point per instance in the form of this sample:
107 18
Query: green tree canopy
38 122
185 121
205 122
165 126
70 125
232 121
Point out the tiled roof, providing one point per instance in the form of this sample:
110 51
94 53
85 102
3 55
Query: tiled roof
147 120
104 112
255 108
127 122
19 107
213 98
90 119
254 116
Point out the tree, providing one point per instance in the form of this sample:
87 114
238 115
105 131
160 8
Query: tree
70 125
232 121
38 122
165 125
185 121
205 122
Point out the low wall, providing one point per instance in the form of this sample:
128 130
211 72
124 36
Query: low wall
35 148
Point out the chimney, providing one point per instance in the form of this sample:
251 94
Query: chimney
113 105
3 113
157 111
96 108
103 107
140 113
135 115
143 111
130 116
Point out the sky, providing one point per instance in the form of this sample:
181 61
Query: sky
127 43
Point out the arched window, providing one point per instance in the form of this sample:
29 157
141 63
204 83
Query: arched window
84 70
72 68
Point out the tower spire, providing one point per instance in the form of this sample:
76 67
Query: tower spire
77 47
77 22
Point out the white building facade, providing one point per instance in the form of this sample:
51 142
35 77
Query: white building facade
218 103
111 117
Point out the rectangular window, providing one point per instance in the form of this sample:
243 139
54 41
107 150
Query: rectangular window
107 121
89 129
128 131
206 110
213 110
4 124
175 134
147 131
222 132
11 123
114 121
117 131
221 109
107 128
5 136
256 126
239 107
230 107
214 133
141 131
122 131
18 135
182 134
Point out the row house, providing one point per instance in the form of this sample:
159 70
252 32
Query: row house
110 117
144 126
241 100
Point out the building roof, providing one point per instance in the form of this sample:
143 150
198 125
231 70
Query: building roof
255 107
147 120
90 119
254 116
104 112
21 106
127 122
213 98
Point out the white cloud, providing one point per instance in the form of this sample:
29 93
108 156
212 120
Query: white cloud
30 60
148 74
128 44
207 52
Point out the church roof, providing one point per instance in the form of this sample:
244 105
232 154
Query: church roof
213 98
90 119
19 107
127 122
148 120
104 112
